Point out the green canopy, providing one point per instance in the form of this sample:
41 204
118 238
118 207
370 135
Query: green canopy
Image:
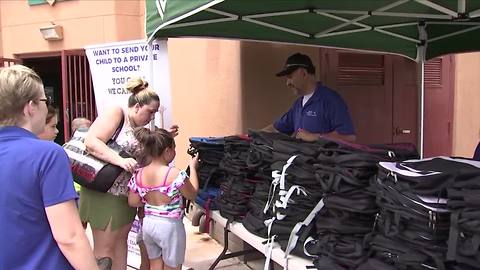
417 29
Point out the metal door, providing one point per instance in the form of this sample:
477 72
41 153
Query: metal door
439 98
405 101
380 91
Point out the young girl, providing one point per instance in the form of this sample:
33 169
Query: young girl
160 188
51 131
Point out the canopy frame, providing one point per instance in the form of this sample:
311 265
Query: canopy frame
404 16
455 17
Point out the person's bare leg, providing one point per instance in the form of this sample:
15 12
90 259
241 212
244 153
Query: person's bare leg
121 248
104 242
156 264
144 261
166 267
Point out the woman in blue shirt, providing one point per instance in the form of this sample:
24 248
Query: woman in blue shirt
40 226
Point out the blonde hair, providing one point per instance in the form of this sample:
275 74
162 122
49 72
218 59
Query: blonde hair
141 93
18 86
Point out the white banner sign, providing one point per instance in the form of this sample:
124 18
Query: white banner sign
111 66
114 63
134 259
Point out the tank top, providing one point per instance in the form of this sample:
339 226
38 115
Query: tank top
127 141
173 209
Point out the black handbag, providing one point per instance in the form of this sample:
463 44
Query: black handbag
88 170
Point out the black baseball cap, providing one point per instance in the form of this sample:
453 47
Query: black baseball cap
296 61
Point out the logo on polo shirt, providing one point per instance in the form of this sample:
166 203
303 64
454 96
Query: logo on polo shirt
311 113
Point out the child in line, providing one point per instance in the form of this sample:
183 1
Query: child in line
83 124
160 188
51 131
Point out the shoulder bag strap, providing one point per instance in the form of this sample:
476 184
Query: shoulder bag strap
117 131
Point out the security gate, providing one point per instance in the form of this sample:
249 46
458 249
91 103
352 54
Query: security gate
77 87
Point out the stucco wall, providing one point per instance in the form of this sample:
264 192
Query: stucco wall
222 87
1 31
206 89
266 97
466 124
84 23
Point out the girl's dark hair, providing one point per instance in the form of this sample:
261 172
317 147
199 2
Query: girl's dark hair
51 112
153 143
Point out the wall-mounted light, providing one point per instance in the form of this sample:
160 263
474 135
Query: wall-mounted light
52 32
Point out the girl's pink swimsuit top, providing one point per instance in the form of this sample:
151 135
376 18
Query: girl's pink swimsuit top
174 208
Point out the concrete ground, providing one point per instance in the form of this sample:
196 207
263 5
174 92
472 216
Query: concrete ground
201 252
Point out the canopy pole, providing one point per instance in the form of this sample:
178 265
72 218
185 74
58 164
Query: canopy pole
461 7
421 56
421 106
151 79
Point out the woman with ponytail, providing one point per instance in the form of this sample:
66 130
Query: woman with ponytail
160 188
109 214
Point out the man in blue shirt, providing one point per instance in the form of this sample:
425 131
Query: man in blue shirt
318 112
39 223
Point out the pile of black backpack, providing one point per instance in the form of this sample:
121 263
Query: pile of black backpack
352 206
211 151
297 196
344 171
240 181
417 226
320 202
289 191
464 203
260 159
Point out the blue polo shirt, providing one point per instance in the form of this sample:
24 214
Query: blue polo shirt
324 112
34 174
